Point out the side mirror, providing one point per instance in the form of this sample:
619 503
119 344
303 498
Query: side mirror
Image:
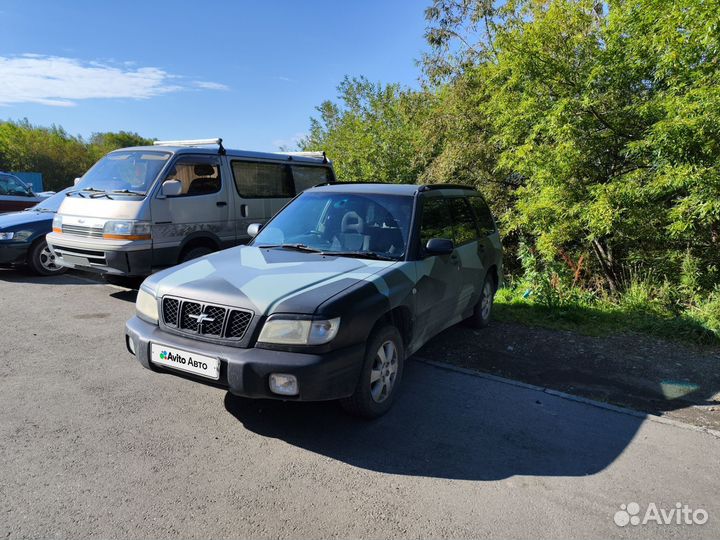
76 181
253 229
439 246
172 188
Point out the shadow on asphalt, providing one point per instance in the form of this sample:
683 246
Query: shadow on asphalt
447 424
22 275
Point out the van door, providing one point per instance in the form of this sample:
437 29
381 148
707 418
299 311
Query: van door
202 208
263 189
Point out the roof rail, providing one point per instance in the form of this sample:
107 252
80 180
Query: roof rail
316 155
430 187
193 142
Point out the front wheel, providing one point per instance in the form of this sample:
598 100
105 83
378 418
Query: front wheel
42 261
195 253
381 374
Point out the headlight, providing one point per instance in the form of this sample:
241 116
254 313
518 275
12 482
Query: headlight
126 230
146 305
7 235
57 223
299 331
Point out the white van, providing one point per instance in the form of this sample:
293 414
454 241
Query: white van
147 207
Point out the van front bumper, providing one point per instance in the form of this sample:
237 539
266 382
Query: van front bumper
246 372
114 257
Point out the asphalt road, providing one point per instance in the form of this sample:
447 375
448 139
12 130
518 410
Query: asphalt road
95 445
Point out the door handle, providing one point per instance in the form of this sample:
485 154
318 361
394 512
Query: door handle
221 203
244 210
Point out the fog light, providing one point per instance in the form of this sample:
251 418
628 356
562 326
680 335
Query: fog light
283 384
130 345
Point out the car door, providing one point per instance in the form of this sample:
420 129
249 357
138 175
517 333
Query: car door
438 285
488 236
262 188
471 252
201 209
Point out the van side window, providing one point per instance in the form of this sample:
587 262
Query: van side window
262 180
196 178
436 220
307 176
483 215
465 228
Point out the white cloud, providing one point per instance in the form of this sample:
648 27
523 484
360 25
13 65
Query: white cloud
206 85
60 82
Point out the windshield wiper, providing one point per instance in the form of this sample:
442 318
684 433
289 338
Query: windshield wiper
361 254
129 192
296 247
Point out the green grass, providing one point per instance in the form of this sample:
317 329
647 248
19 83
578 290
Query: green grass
631 313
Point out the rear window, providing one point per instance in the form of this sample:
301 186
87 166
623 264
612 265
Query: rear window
307 176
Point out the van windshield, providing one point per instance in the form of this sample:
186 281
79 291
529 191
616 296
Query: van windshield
345 224
123 173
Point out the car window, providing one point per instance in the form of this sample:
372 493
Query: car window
9 185
307 176
436 220
198 177
483 215
262 180
463 221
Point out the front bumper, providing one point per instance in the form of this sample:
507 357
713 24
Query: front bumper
245 372
13 252
119 258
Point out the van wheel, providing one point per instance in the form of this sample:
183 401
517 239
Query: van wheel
483 309
381 375
194 253
42 261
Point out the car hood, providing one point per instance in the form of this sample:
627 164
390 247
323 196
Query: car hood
17 219
264 280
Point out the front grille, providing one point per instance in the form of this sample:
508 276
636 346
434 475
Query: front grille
171 310
77 230
208 320
238 323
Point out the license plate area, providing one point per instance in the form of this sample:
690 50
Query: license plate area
181 360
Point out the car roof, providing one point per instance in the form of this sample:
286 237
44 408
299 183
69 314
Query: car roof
210 151
393 189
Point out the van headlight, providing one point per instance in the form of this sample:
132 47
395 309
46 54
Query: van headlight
126 230
57 223
147 306
284 331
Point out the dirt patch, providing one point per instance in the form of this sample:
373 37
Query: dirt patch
647 374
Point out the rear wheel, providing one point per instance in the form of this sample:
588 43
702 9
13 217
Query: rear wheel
381 375
42 261
195 253
483 309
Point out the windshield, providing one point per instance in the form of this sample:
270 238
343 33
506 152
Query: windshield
124 171
342 223
52 203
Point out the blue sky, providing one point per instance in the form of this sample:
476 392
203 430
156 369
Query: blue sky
250 72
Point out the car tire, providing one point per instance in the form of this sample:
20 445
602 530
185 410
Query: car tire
195 253
483 309
381 375
42 261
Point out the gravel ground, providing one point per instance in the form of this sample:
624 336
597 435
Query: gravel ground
96 446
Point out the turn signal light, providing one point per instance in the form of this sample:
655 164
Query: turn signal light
57 230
